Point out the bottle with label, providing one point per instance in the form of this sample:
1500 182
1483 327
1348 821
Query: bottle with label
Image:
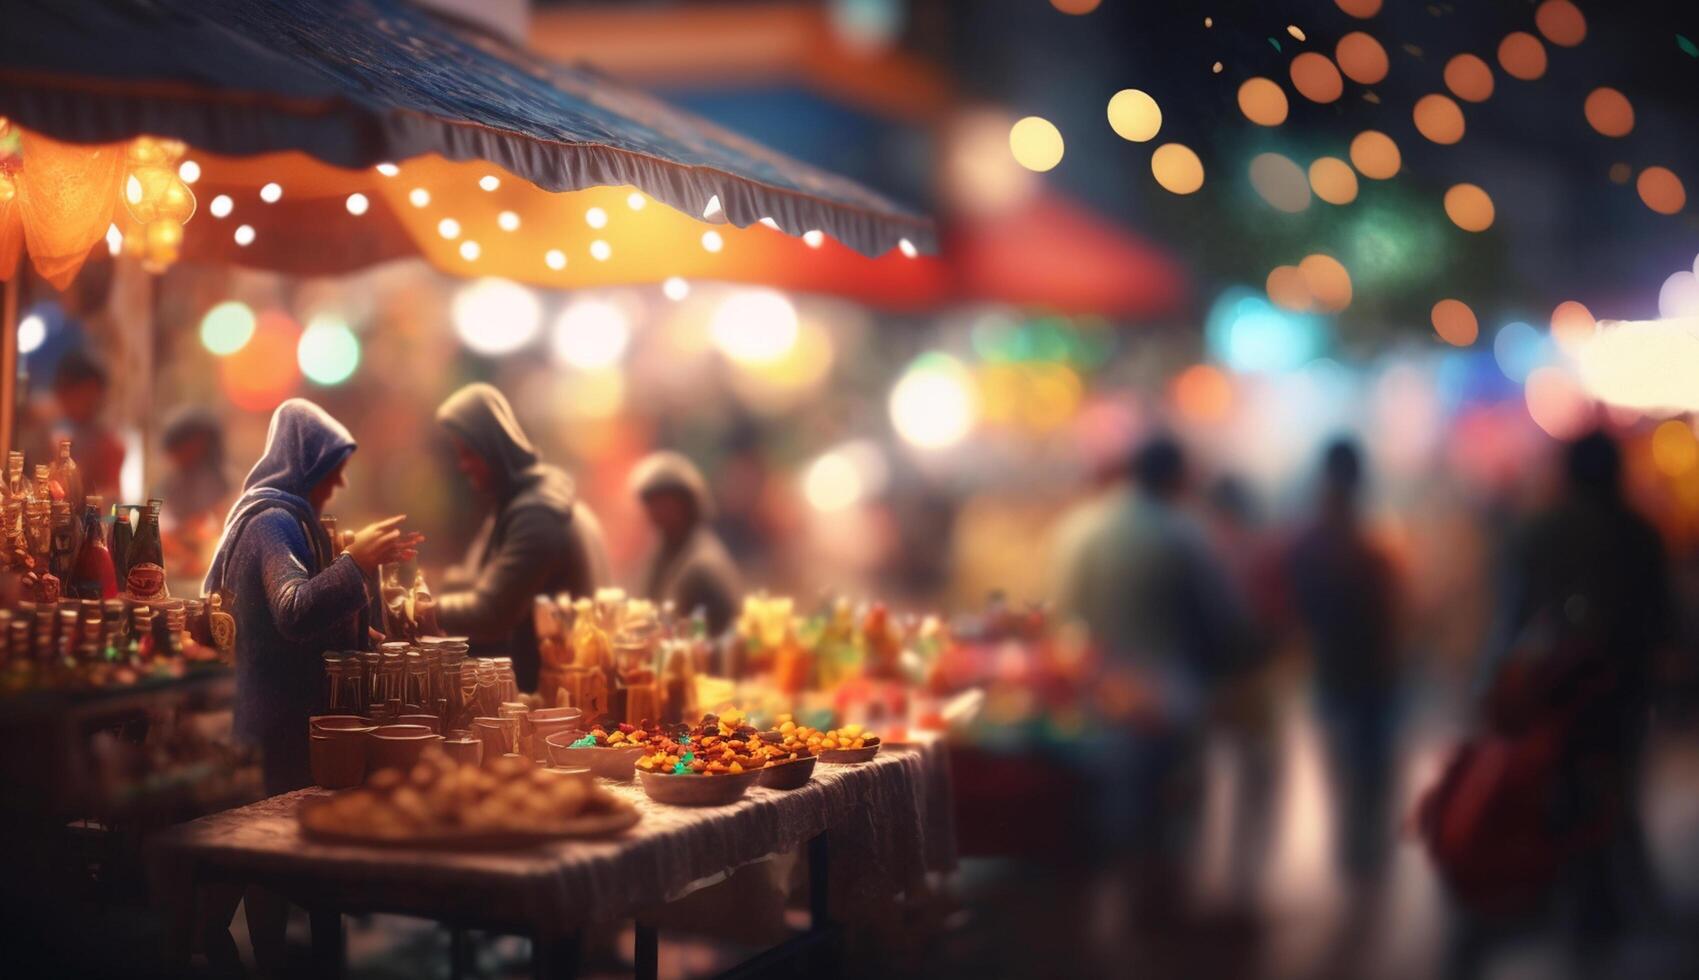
144 581
62 551
65 477
94 575
41 489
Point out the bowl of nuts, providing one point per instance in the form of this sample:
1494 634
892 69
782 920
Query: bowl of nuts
609 752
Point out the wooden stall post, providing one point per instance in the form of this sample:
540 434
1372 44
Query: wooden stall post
8 364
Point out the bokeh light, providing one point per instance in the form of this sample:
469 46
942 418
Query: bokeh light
1280 182
1661 190
1439 119
675 288
1679 295
32 333
357 204
271 193
1469 207
1361 58
263 372
1202 393
1134 115
1075 7
1455 322
590 334
1557 403
1469 78
496 316
328 352
1036 143
1375 155
1316 78
1361 9
1328 282
932 405
755 326
1609 112
227 327
1651 366
1286 289
1177 168
244 235
1561 23
1262 101
1521 55
1333 180
845 476
1518 349
221 206
1675 452
1246 332
1572 326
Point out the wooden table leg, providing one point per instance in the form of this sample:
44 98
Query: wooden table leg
555 957
458 953
822 958
329 948
647 950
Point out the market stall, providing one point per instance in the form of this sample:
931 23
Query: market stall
869 830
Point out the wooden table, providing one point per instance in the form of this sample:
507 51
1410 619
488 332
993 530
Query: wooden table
865 828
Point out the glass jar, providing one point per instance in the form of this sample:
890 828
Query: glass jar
507 684
390 681
371 680
416 684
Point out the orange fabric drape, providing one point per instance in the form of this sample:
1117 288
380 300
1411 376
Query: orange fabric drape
66 196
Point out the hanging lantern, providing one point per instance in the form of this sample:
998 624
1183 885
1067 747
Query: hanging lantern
164 239
145 188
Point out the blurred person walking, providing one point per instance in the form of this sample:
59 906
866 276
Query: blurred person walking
1139 572
80 388
195 489
538 539
1345 595
1541 812
690 566
1245 714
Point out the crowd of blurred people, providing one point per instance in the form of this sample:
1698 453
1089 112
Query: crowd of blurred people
1196 603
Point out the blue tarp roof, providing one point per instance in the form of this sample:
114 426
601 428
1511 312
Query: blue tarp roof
358 82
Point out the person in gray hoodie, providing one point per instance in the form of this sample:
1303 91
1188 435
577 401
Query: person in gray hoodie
539 538
294 595
690 567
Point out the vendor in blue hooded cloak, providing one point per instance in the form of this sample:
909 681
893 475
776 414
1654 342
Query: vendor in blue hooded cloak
295 594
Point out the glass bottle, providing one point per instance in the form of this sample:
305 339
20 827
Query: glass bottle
123 532
15 486
93 574
62 553
41 490
145 578
65 476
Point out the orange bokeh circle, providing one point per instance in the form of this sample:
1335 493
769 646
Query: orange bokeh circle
1361 58
1469 78
1439 119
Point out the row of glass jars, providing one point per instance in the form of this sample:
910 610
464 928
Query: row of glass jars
430 677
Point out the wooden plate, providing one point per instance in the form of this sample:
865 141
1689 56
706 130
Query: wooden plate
843 757
615 816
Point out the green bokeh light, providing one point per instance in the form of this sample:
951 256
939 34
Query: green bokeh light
227 328
329 352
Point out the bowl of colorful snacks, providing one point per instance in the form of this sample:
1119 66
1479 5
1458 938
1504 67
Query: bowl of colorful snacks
838 746
441 804
712 764
608 751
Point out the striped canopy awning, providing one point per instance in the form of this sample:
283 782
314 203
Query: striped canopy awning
355 83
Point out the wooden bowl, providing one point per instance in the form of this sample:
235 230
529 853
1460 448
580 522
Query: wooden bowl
849 757
399 751
696 790
337 763
794 774
326 724
607 763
